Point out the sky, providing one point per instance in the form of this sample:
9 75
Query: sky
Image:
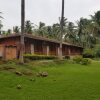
47 11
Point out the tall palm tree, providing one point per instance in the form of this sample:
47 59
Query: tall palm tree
1 16
86 32
71 35
16 29
1 22
61 24
28 27
96 21
22 30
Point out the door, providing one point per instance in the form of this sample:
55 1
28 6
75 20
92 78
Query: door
11 52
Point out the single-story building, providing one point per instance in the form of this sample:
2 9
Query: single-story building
10 46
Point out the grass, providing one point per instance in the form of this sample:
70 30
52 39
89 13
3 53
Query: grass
66 81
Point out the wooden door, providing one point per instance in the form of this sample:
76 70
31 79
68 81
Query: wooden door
11 53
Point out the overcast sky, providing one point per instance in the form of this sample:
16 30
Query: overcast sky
47 11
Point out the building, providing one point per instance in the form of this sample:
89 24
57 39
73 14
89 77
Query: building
10 46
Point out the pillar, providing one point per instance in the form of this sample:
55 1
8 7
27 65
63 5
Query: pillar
47 50
32 48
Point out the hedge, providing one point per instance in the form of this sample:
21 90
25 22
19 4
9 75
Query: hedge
38 57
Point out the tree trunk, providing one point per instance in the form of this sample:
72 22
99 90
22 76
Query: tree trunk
61 35
22 30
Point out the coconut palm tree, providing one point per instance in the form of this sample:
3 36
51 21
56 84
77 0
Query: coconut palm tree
96 22
56 31
41 30
1 16
71 34
1 22
16 29
22 30
29 27
61 35
86 32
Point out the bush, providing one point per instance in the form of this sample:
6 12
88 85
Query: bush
67 57
13 61
77 59
85 61
97 51
88 53
38 57
80 60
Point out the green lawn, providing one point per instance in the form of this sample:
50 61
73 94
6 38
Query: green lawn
64 82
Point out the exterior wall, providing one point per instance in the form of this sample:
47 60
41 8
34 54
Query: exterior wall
40 47
10 41
71 50
34 46
65 51
49 48
11 47
53 49
75 50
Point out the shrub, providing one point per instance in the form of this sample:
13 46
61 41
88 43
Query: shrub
97 51
85 61
67 57
80 60
38 57
88 53
13 61
77 59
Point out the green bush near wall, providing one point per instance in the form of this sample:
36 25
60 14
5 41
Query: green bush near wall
81 60
88 53
97 51
86 61
77 59
38 57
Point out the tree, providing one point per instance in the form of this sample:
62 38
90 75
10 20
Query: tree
1 22
96 22
1 16
41 25
41 30
82 24
28 27
22 30
71 35
0 26
97 51
61 35
49 31
16 29
9 31
86 33
56 31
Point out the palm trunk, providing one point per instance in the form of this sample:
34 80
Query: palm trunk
22 30
61 35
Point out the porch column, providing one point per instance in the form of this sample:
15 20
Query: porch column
32 48
47 50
